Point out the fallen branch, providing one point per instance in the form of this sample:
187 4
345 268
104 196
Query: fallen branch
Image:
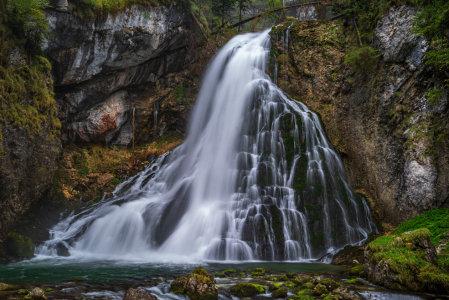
326 3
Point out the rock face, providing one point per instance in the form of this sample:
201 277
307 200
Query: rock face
103 68
199 285
37 294
392 140
135 294
26 171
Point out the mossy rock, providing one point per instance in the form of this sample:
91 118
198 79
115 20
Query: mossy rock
305 292
308 285
272 278
36 294
283 278
320 290
330 284
5 287
220 275
290 275
289 284
22 292
274 287
355 281
280 293
19 246
247 290
332 297
199 285
304 297
356 270
229 272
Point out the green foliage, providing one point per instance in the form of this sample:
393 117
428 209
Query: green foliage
354 281
222 8
180 93
22 292
356 270
436 221
362 58
434 96
305 292
432 21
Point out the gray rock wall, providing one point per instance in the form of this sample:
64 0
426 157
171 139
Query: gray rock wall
97 63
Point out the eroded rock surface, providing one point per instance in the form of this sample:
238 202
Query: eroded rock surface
137 294
199 285
392 140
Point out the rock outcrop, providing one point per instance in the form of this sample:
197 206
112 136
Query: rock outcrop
392 139
102 68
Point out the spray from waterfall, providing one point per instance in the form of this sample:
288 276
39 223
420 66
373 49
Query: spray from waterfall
256 179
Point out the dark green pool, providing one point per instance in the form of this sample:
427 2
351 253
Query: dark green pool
50 270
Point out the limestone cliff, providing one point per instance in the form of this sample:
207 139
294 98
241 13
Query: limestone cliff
393 140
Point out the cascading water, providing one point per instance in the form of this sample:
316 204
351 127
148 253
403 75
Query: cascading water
256 179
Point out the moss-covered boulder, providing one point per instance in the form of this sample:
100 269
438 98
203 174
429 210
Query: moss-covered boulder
308 285
274 287
343 294
247 290
19 246
330 284
199 285
320 290
305 292
36 294
357 270
406 261
5 287
280 293
355 281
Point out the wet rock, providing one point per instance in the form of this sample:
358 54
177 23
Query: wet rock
199 285
137 294
247 290
19 246
320 290
348 254
357 270
330 284
61 249
5 287
344 294
36 294
280 293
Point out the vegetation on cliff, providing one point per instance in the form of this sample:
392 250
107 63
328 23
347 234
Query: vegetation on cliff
26 88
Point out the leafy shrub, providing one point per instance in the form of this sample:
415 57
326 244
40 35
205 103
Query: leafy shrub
362 58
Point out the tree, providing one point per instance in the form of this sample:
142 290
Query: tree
243 6
222 8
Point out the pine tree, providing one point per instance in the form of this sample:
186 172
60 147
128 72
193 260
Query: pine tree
222 8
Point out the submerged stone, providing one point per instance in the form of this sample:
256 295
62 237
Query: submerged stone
199 285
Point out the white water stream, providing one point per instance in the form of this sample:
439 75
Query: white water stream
256 179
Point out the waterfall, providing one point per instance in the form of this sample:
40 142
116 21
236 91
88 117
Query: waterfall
255 179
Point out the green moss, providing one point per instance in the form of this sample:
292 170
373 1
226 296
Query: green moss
5 287
320 290
283 278
433 278
272 278
229 272
22 292
247 290
356 270
48 289
308 285
289 284
306 291
200 276
20 246
436 221
274 287
354 281
330 284
304 297
280 293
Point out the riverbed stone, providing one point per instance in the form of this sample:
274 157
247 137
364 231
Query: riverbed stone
36 294
5 287
199 285
280 293
137 294
247 290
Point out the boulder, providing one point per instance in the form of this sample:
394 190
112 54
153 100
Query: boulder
5 287
344 294
320 290
280 293
37 294
19 246
247 290
136 294
199 285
